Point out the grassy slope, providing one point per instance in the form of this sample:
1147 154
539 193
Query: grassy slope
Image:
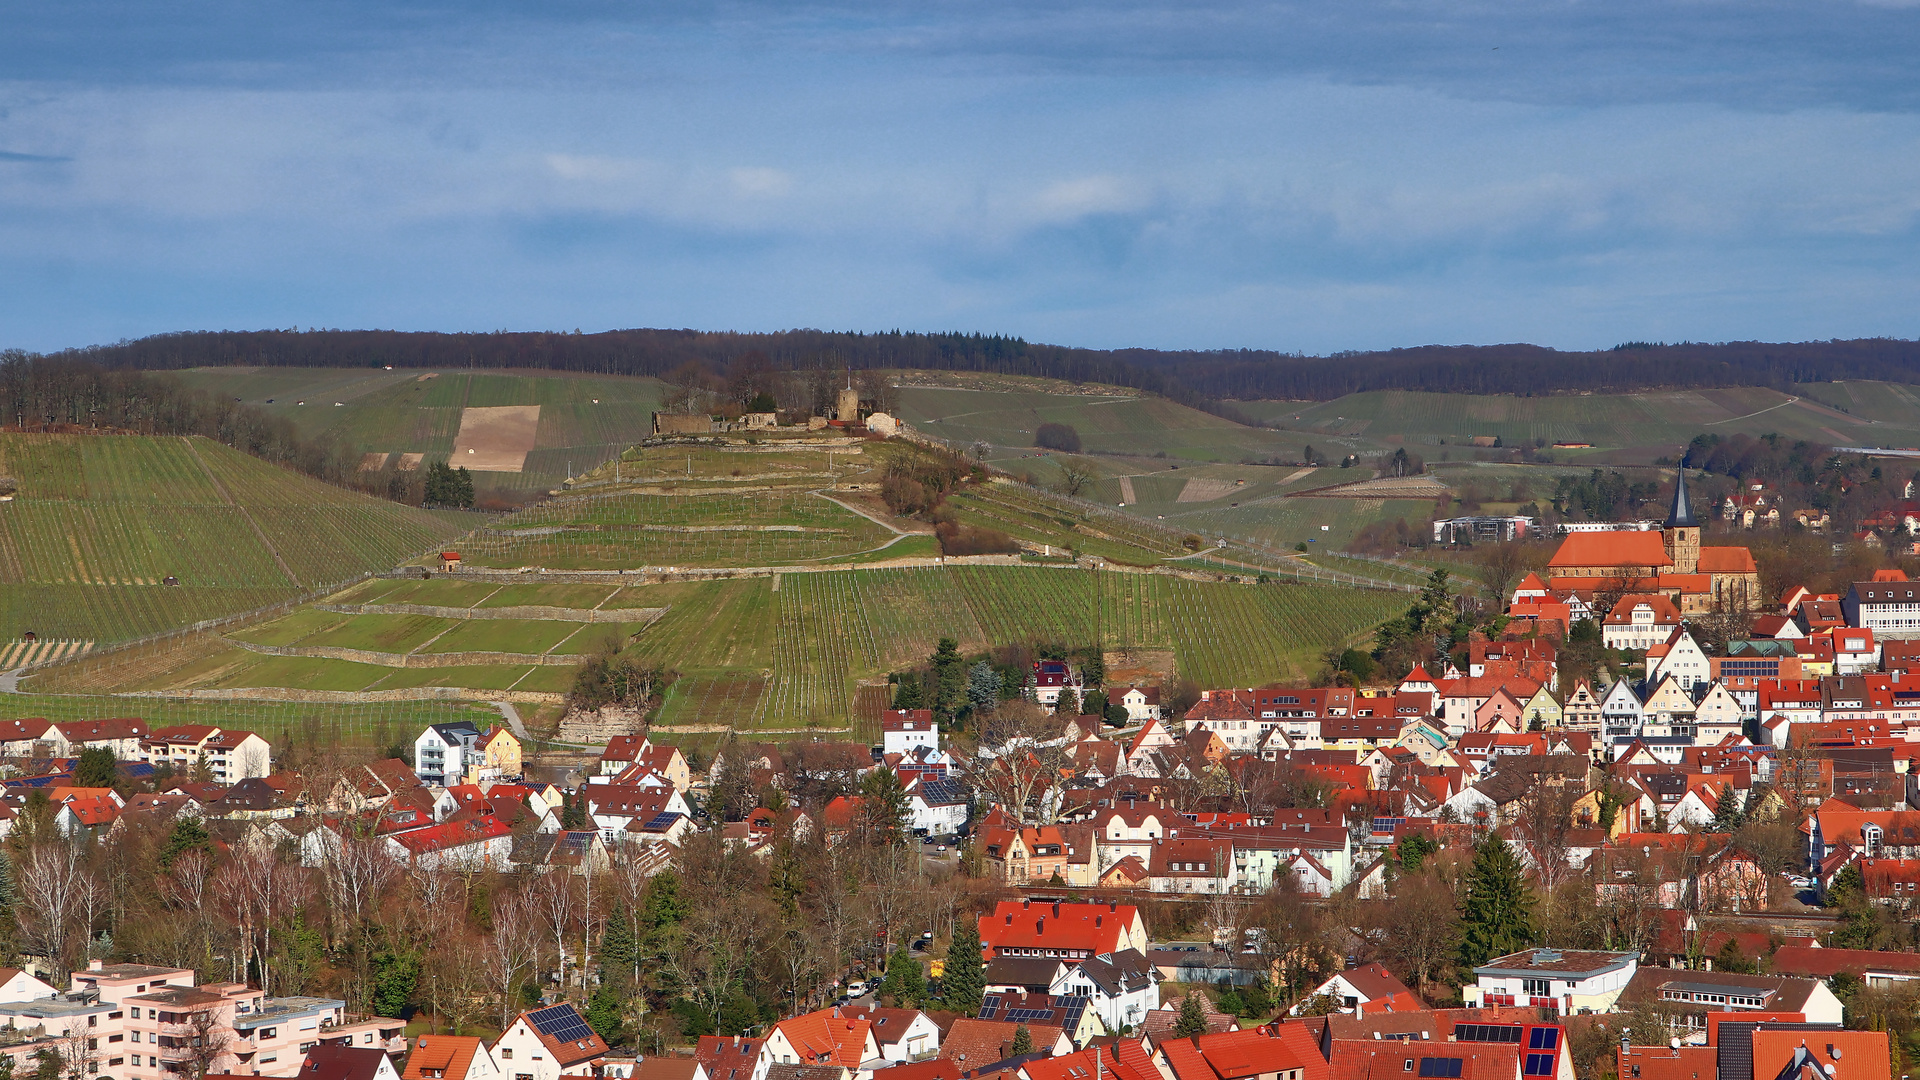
399 412
1141 426
102 521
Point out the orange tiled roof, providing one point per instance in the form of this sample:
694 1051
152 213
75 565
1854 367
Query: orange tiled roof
1612 549
442 1057
827 1037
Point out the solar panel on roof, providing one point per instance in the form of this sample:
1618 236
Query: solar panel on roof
1543 1038
1440 1067
661 820
560 1023
1538 1065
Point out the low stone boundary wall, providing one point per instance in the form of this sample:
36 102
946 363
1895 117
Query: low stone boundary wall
529 612
409 660
353 697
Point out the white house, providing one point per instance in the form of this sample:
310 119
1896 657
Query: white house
938 806
443 752
548 1043
230 756
1356 987
478 843
1141 702
1120 987
17 985
121 735
900 1034
1621 714
1684 660
1639 622
904 730
1570 981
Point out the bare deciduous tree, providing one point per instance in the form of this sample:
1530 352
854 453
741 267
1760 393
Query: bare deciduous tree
53 886
507 952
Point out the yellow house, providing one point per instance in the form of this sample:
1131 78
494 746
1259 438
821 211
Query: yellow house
499 757
1542 710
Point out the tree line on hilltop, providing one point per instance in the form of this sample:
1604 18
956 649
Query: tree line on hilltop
1203 378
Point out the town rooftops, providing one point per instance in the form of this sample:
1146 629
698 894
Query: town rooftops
1636 548
826 1037
1568 962
1037 972
331 1061
728 1057
452 834
442 1057
907 720
1887 592
1022 925
565 1034
1818 963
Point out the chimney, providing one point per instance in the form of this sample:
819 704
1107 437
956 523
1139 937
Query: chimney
1056 909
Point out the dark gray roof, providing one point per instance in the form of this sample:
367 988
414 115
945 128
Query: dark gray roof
1036 972
1681 516
1119 972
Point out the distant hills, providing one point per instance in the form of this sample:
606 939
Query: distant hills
1195 377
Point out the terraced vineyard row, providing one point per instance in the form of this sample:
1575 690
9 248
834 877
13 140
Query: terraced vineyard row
104 521
378 724
762 528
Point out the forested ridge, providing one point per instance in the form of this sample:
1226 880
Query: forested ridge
1196 377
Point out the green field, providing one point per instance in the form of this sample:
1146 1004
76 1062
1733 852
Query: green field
1142 426
102 521
401 412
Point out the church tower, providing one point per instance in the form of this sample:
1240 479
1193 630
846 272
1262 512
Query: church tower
1681 536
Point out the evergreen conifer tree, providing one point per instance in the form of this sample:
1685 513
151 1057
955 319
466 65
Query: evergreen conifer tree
1498 917
949 680
906 693
965 979
983 686
1022 1041
906 981
1728 814
1193 1017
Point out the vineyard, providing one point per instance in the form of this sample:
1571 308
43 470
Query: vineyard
381 724
833 631
103 522
786 653
753 528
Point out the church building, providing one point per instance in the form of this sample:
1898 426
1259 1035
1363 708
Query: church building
1671 562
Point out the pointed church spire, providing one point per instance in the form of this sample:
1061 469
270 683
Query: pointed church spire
1681 516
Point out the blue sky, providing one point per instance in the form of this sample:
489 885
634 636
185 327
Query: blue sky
1297 176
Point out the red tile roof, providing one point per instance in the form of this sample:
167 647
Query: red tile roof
827 1037
442 1057
1626 549
1093 928
452 834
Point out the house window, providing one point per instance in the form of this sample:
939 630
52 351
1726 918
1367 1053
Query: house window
1537 987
